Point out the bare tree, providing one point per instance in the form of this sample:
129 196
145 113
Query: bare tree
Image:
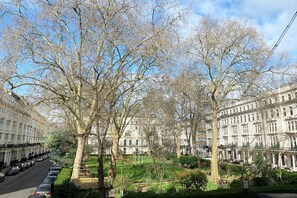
124 104
81 51
228 54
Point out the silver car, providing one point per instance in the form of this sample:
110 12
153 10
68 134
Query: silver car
44 189
2 177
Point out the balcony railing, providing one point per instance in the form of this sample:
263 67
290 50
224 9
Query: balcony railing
276 146
293 148
258 146
228 146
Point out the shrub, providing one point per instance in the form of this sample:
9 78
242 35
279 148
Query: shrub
224 168
280 176
193 180
169 155
261 181
293 180
189 160
66 190
148 194
171 190
236 184
236 169
204 163
199 179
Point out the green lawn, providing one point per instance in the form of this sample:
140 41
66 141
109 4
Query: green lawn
143 173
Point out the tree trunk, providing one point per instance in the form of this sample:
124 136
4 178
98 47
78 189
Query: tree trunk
114 156
100 171
189 146
178 140
194 144
214 149
78 157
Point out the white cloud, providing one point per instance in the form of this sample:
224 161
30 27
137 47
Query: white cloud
270 17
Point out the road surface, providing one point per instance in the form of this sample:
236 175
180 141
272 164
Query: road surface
25 183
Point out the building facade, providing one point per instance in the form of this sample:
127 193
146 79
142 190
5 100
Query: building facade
267 123
22 130
142 135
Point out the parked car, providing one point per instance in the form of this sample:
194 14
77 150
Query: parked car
23 166
31 162
55 168
45 156
44 189
37 196
2 177
49 180
12 171
53 173
39 159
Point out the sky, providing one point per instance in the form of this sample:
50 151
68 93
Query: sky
270 17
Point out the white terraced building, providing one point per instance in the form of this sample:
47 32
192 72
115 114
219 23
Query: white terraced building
134 140
22 130
267 123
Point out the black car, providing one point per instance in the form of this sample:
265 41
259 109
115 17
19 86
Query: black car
12 171
2 177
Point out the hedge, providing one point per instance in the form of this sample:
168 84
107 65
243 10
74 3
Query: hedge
219 193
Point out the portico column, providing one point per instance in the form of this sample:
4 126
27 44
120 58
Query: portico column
273 159
250 157
293 162
279 160
5 158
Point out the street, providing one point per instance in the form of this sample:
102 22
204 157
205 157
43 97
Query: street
25 183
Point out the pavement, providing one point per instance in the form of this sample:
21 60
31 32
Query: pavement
277 195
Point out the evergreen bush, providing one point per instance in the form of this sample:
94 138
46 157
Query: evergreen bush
261 181
189 160
66 190
236 184
204 163
192 180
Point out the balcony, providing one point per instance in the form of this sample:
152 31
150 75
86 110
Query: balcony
293 148
275 147
258 146
232 146
245 145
